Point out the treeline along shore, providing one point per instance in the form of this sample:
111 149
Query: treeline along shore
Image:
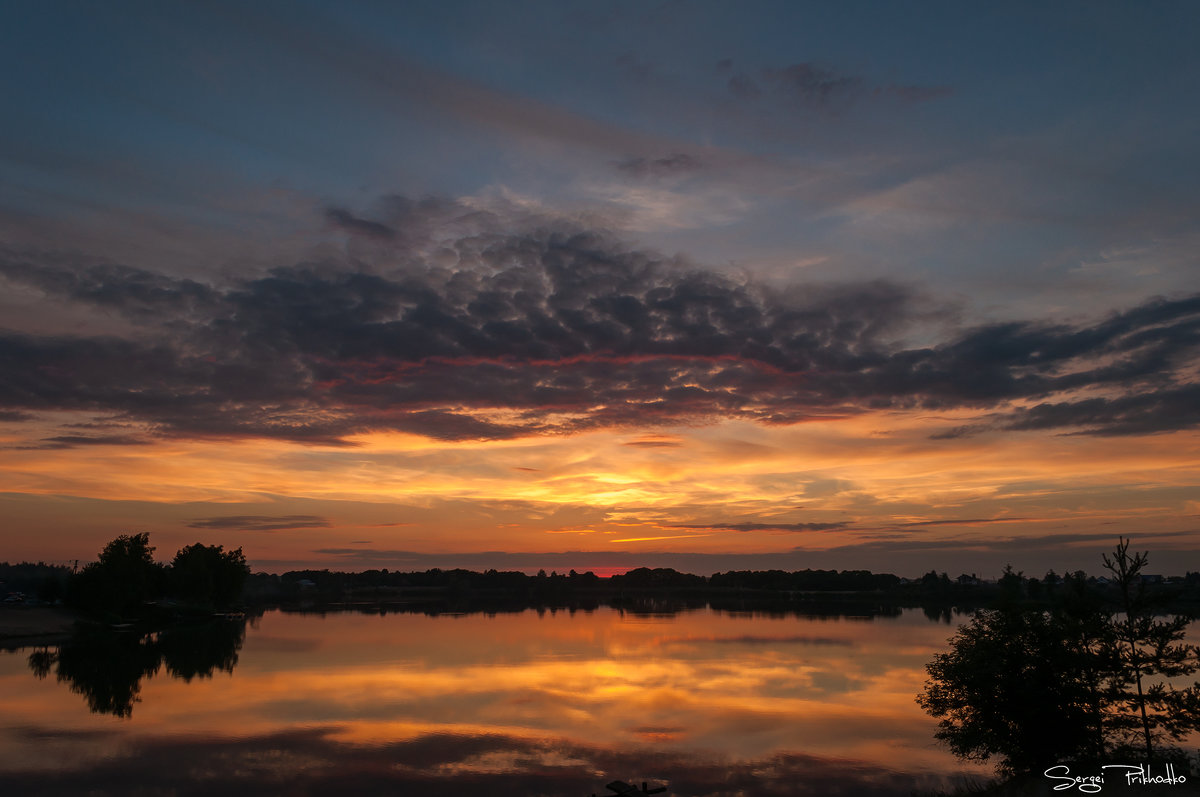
126 583
848 592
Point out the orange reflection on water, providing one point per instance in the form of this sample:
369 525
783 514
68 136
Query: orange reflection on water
729 687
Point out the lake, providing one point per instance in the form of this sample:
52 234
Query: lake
557 703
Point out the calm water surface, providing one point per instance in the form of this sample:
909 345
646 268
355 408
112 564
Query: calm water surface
553 703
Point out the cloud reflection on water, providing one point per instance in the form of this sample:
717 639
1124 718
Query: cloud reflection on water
315 761
713 702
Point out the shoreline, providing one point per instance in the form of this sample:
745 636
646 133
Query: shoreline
24 626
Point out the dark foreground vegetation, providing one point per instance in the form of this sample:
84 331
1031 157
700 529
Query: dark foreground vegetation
126 584
125 581
1065 680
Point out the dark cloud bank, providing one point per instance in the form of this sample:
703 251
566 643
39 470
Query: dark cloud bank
488 325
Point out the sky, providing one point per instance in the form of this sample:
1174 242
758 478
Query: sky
602 285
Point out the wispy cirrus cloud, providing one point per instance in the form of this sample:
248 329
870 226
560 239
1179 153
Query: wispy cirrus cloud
78 441
654 441
965 521
673 165
765 525
818 85
260 522
1000 545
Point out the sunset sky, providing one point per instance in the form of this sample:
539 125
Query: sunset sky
595 285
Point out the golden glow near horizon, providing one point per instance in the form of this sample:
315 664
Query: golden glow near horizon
728 487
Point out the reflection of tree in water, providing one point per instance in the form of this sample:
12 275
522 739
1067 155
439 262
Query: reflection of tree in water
937 613
107 667
197 651
41 661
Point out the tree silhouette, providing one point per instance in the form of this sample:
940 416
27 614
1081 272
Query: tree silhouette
1145 647
124 577
208 575
1013 686
1032 685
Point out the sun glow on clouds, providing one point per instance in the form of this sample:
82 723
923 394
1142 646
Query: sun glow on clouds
733 486
562 385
